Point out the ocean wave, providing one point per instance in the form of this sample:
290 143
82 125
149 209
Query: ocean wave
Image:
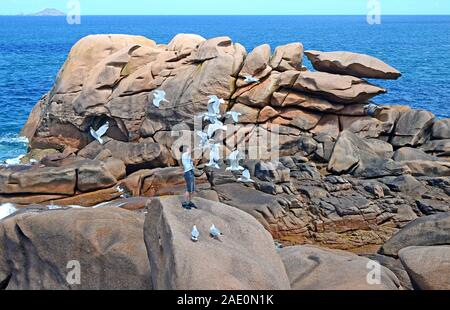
10 139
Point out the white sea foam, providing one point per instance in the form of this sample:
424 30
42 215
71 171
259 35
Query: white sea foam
14 161
13 139
6 210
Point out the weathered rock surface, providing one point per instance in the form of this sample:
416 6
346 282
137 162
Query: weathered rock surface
413 128
426 231
338 88
441 129
396 266
428 266
312 268
346 63
36 250
354 155
233 262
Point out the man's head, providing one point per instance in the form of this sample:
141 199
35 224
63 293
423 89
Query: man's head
185 149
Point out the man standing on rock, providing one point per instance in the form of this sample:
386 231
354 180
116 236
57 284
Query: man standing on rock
189 176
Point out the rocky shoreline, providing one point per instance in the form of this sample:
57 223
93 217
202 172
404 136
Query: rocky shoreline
351 175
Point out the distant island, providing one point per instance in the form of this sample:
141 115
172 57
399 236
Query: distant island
48 12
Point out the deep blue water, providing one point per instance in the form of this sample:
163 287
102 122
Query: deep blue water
32 49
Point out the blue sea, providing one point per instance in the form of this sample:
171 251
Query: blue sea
32 49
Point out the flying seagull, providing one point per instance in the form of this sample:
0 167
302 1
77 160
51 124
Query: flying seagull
6 210
213 108
97 135
234 115
195 234
214 127
215 102
371 109
159 96
246 177
214 232
251 79
234 162
214 156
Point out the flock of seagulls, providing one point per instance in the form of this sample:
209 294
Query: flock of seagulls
213 115
214 232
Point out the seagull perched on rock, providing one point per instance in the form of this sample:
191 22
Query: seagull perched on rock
234 162
234 116
98 134
158 97
246 177
213 108
371 109
214 232
214 127
251 79
6 210
214 156
195 234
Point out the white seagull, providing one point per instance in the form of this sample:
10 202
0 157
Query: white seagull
234 116
6 210
214 156
195 234
97 135
216 126
234 162
213 108
246 177
251 79
159 96
214 232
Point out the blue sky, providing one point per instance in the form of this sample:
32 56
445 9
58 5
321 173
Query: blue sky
228 7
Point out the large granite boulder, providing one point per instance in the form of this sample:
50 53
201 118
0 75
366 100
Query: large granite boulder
313 268
352 154
71 175
409 154
185 43
425 231
114 82
288 57
48 180
437 147
288 98
413 128
428 266
243 258
394 265
347 63
256 64
441 129
338 88
39 250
